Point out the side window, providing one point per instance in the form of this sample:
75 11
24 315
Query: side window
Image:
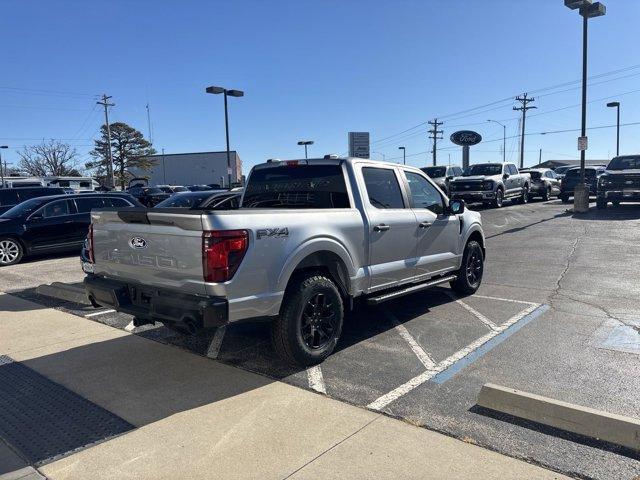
512 169
382 187
458 171
56 209
423 194
116 202
85 205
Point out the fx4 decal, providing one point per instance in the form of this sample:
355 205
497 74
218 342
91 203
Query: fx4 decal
272 232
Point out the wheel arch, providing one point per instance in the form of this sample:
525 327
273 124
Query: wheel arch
475 234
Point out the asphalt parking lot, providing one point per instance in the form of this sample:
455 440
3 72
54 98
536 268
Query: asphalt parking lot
557 315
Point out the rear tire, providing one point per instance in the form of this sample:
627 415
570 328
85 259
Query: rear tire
546 195
11 251
310 321
564 198
471 270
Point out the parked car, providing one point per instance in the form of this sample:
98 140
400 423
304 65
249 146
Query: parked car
52 224
10 197
572 178
562 170
442 175
544 183
491 183
620 182
148 196
222 200
199 188
310 237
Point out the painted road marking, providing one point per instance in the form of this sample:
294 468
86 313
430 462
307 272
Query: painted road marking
460 359
474 312
316 380
95 314
130 326
216 342
423 356
505 299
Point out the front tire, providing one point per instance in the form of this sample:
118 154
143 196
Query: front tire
524 196
497 202
471 270
564 198
11 251
310 321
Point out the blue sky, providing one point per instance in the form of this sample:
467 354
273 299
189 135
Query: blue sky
316 70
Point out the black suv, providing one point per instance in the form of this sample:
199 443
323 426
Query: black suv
572 178
148 196
52 224
620 182
10 197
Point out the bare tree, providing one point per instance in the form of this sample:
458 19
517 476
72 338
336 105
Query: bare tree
49 158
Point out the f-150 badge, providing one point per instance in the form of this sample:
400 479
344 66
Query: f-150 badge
272 232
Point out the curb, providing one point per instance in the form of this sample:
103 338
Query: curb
598 424
64 291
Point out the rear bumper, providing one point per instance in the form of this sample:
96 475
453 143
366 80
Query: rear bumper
150 303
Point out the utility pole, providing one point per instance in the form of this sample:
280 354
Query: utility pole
434 132
105 103
540 157
524 102
149 124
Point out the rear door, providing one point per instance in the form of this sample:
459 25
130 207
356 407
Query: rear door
437 232
514 182
391 227
82 219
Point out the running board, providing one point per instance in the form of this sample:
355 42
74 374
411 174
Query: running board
412 289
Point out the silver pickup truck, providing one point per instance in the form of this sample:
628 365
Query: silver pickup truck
491 183
310 237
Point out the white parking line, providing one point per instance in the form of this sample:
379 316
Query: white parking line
316 380
216 342
95 314
130 326
423 356
474 312
418 380
505 299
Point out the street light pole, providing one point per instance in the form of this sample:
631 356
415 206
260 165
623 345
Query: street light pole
404 155
617 105
227 93
305 143
587 10
504 139
1 168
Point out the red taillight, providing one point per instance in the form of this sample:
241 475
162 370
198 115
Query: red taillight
222 252
90 243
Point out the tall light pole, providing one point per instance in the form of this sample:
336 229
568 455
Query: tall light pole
1 168
587 10
617 105
305 143
404 155
105 103
504 139
227 93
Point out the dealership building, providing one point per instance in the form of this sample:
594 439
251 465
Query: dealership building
198 168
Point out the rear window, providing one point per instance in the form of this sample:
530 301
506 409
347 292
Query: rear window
534 175
301 186
151 191
624 163
8 197
588 173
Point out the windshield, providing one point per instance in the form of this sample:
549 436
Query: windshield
180 189
151 191
575 172
435 172
24 208
624 163
166 189
483 169
299 186
563 169
184 200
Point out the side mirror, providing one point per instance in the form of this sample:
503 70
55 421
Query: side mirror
456 207
505 176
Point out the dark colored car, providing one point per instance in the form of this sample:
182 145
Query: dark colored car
572 178
620 182
544 183
223 200
442 175
562 170
10 197
52 224
199 188
148 196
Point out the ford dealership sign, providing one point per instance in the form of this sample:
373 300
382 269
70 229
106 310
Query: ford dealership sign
466 138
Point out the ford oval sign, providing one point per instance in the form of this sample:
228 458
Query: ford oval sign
137 242
466 138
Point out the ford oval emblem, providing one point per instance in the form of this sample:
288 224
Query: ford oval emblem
465 138
137 242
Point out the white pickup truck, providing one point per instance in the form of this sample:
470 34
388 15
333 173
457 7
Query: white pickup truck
310 237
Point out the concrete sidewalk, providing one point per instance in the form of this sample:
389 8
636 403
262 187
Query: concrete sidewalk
197 418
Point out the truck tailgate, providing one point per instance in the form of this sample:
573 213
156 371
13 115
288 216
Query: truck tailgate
151 248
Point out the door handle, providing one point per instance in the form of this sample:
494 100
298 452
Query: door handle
424 224
381 228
